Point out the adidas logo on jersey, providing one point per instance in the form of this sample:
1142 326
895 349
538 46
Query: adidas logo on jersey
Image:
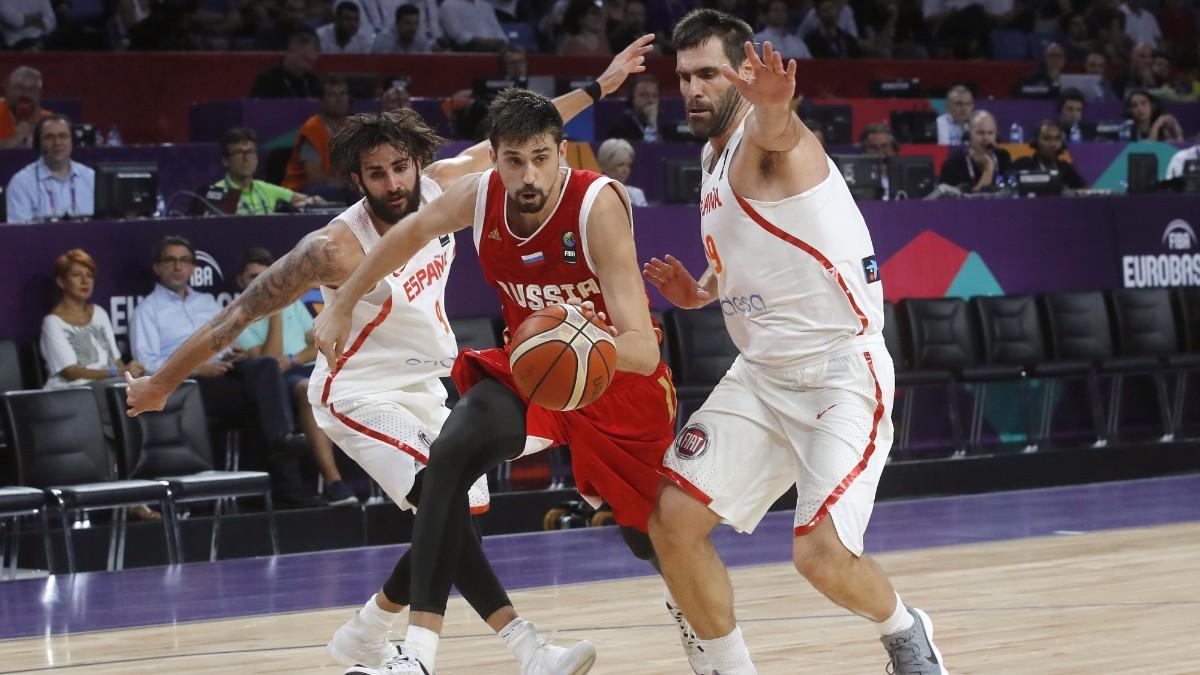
535 297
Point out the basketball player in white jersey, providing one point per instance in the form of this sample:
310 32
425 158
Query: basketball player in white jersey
808 399
382 401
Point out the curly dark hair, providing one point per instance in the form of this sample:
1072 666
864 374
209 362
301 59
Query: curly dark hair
700 24
403 129
517 115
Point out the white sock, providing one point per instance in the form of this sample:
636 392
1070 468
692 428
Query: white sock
900 620
422 643
376 620
521 638
729 654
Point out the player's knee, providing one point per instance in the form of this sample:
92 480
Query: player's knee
819 555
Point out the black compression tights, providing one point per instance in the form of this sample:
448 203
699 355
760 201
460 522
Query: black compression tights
474 577
486 427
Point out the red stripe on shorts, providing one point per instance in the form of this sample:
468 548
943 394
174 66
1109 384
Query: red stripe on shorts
379 436
685 485
858 468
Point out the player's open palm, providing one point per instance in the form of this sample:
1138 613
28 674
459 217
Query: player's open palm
675 283
770 82
628 61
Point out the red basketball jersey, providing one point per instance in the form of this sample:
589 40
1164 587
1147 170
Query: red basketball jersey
549 267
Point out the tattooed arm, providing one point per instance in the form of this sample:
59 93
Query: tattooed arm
325 257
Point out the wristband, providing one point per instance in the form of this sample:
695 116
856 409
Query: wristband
112 371
593 89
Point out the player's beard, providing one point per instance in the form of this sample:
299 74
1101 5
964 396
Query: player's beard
533 206
723 112
385 211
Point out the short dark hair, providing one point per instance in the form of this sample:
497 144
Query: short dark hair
345 5
403 129
701 24
328 81
172 240
877 128
303 37
1069 94
405 10
41 124
256 255
237 135
519 115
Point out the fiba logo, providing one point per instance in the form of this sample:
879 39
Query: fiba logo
207 273
692 442
1179 236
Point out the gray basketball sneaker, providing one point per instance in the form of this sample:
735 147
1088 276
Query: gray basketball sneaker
911 651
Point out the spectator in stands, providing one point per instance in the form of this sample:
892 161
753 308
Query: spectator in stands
1179 160
829 40
1110 35
1047 156
128 14
378 16
952 124
472 26
395 98
962 28
21 108
78 343
1184 83
231 384
293 77
54 186
514 65
877 141
815 127
978 166
1077 41
26 23
169 28
1097 64
642 121
239 154
1150 123
345 34
788 43
615 157
845 19
1140 71
286 336
631 28
1047 74
71 35
291 19
309 167
1140 25
584 30
404 36
1070 115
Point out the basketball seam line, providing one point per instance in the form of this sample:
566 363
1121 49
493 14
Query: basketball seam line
566 346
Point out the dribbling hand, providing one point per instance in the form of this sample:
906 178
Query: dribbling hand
588 309
675 283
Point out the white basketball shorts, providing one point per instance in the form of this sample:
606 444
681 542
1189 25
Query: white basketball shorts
389 436
826 428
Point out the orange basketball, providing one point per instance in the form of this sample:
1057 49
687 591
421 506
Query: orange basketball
560 359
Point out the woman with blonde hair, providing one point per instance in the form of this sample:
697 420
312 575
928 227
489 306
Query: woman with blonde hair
615 158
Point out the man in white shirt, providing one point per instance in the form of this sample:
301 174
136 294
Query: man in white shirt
471 25
1180 159
377 16
54 186
346 34
404 36
25 23
1140 25
960 103
790 45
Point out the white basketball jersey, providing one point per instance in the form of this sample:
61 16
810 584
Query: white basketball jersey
797 279
399 334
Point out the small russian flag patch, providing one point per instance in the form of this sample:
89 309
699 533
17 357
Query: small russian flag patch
533 258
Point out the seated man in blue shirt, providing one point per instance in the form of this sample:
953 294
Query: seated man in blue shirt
53 186
231 384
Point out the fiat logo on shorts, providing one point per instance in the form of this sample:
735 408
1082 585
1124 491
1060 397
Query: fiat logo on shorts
692 442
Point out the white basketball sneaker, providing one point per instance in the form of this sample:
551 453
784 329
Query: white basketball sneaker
554 660
400 664
691 644
357 644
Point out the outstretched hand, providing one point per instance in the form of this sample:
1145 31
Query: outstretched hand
675 283
143 395
770 83
628 61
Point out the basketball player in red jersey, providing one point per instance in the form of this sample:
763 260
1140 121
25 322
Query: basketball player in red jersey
545 235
